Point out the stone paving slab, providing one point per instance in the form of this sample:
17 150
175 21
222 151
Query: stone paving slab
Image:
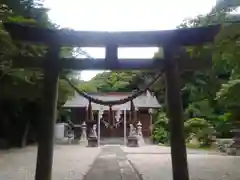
70 162
153 165
155 149
111 164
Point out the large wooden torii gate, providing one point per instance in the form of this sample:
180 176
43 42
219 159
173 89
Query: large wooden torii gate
169 40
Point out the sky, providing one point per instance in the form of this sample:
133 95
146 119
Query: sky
123 15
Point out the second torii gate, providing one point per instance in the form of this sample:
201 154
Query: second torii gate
169 40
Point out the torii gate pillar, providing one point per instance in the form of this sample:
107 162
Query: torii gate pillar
175 113
47 122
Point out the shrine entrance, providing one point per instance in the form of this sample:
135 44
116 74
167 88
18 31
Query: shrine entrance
114 121
112 126
113 130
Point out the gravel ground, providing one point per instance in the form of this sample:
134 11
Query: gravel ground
154 163
70 162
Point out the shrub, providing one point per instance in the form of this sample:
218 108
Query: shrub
201 128
161 130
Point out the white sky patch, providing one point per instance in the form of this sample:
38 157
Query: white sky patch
123 15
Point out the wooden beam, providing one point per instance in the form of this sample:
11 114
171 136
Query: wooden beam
175 114
111 57
101 64
49 107
89 64
184 36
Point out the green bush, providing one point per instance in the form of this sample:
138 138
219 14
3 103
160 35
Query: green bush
161 130
201 128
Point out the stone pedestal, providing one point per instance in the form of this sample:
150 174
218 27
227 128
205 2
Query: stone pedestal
236 144
77 134
70 136
237 151
77 131
83 138
132 141
92 139
213 142
92 142
139 134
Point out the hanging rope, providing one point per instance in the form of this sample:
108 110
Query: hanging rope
114 102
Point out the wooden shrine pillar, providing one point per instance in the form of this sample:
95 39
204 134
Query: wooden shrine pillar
125 126
89 118
110 120
150 112
131 114
49 108
90 112
86 118
175 113
135 118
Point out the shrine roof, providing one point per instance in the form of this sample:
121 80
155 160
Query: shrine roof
144 101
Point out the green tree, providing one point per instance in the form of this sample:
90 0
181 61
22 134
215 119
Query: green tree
21 89
161 129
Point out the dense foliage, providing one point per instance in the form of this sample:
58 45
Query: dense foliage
21 89
161 129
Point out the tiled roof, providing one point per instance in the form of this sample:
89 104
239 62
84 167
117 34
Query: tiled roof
145 100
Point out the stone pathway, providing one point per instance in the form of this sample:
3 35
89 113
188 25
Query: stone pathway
112 164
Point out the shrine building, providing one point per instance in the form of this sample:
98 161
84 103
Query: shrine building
113 121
